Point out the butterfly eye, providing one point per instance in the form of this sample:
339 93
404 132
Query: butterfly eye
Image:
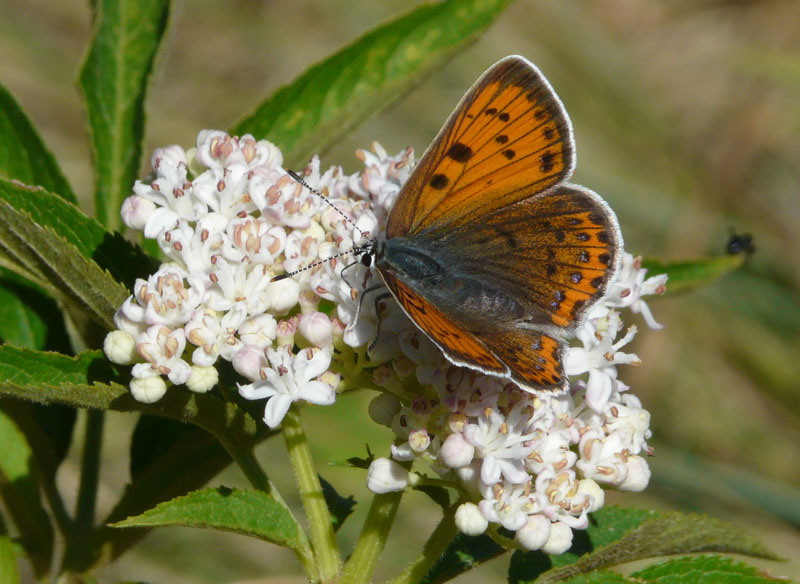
366 259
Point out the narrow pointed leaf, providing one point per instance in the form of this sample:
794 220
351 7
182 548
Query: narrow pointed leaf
114 78
688 274
111 251
20 493
704 570
312 112
23 155
38 252
253 513
614 538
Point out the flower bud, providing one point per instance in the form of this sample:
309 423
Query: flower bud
419 440
248 362
259 331
283 295
148 390
386 476
535 533
469 519
135 211
456 451
560 539
308 301
638 475
120 348
202 379
315 327
285 332
589 488
383 408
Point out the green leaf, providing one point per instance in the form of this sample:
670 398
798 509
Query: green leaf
339 507
8 559
253 513
37 252
20 492
23 155
312 112
28 316
618 536
184 458
114 79
463 554
601 577
111 251
688 274
705 569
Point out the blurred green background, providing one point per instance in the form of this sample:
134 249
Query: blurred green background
687 119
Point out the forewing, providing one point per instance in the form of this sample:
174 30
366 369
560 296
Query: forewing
509 135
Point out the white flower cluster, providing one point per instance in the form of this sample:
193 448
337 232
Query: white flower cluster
229 219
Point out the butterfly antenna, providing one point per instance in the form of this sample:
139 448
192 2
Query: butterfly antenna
319 263
355 249
300 180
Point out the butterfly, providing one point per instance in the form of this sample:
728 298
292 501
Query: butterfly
488 250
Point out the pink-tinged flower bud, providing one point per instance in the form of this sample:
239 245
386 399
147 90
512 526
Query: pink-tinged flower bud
638 475
135 211
148 390
560 539
283 295
120 348
286 331
469 519
383 408
535 533
202 379
315 327
386 476
248 362
308 301
456 451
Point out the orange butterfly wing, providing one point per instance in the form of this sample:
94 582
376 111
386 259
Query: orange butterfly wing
509 135
458 344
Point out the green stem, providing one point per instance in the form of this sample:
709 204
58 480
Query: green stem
90 472
361 565
247 461
320 525
434 548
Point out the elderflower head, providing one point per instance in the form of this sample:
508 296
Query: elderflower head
229 219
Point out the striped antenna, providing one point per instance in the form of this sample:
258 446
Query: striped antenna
356 249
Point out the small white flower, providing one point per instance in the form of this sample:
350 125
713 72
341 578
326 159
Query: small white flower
283 295
386 476
599 356
501 443
162 348
630 285
508 504
469 520
289 379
